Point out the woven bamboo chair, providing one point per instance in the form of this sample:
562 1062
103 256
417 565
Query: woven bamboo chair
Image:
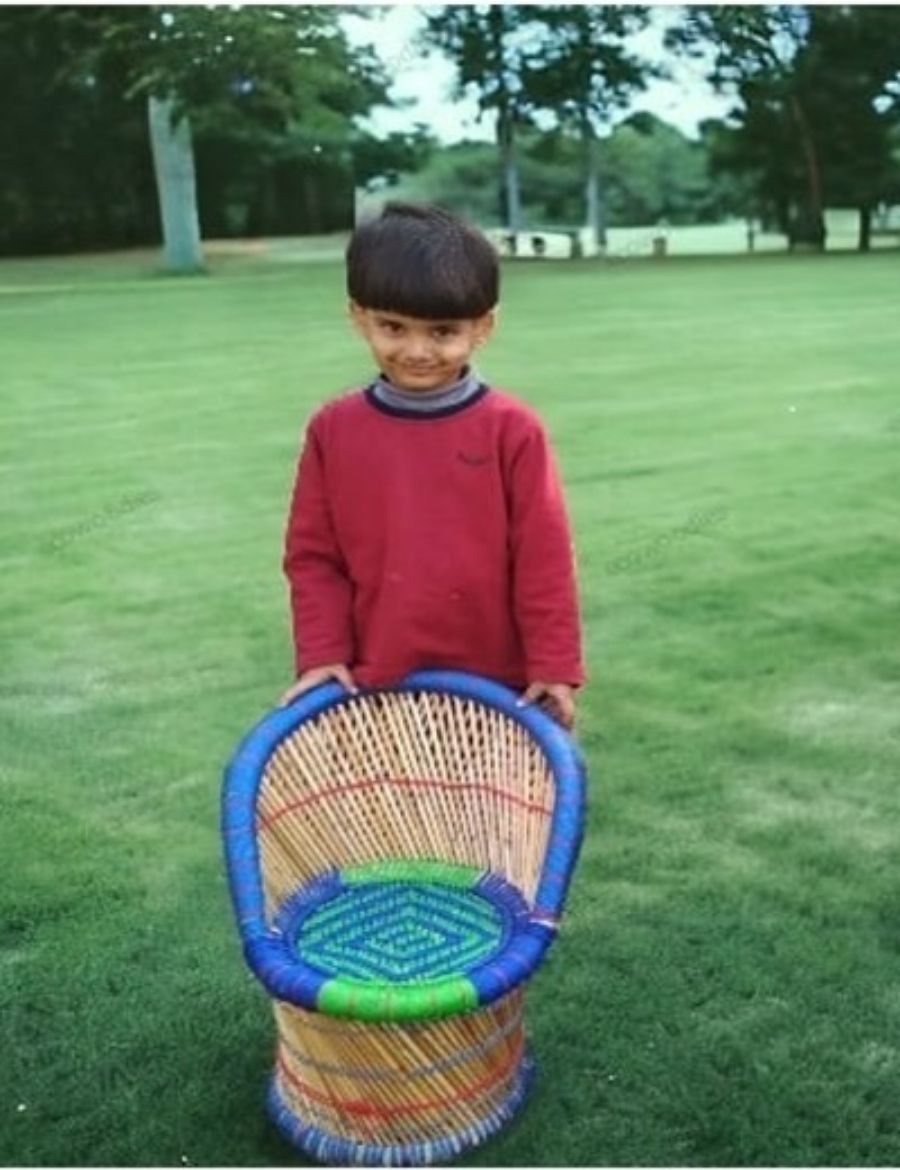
398 862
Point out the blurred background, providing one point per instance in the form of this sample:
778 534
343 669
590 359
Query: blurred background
622 129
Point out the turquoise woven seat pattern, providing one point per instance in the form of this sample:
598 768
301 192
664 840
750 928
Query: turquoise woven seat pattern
400 932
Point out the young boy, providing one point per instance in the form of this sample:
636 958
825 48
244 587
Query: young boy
427 526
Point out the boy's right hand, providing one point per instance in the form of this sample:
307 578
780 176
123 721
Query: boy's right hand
319 674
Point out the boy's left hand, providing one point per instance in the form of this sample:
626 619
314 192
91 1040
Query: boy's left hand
557 699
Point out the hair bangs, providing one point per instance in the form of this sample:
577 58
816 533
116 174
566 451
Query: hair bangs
422 262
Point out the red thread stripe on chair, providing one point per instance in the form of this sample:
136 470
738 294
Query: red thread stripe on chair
338 790
369 1109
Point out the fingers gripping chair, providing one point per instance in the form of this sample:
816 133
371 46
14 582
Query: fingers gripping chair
398 862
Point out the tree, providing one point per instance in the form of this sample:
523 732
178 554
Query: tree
585 74
76 171
819 92
462 178
382 161
731 191
651 172
858 104
491 46
654 173
63 183
226 66
759 51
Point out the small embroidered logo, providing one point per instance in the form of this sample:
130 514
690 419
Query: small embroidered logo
473 460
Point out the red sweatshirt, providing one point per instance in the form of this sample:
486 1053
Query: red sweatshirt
435 540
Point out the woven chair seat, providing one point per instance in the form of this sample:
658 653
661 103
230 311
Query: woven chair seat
405 939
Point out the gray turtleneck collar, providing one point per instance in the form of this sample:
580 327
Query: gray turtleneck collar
426 401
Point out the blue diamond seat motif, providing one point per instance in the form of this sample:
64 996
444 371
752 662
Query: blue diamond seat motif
400 931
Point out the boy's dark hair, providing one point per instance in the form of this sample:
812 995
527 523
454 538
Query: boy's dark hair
423 262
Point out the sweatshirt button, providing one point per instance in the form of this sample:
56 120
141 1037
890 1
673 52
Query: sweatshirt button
455 595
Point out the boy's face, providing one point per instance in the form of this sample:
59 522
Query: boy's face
417 353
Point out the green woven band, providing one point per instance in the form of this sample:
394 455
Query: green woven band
442 873
388 1002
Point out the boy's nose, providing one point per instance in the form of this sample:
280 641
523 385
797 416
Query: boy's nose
418 347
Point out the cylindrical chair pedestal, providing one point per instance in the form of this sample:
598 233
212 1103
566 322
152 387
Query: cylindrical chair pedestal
397 1094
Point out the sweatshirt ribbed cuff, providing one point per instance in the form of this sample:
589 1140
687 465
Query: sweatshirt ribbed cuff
332 656
567 673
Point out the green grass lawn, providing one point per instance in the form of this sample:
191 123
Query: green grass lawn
727 986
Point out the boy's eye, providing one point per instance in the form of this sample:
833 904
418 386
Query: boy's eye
445 330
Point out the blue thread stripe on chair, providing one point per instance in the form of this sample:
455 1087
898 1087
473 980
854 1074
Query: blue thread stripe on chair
496 978
502 892
319 1144
282 976
564 843
420 1072
311 895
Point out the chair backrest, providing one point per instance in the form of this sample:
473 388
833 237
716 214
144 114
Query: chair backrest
443 767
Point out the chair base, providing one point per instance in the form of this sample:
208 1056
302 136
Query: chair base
398 1094
332 1150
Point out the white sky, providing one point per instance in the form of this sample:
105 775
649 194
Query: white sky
426 82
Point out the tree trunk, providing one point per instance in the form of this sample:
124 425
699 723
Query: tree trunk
593 193
510 167
809 229
173 162
865 228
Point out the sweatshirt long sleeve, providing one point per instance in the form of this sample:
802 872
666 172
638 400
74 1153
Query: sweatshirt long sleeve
432 541
321 588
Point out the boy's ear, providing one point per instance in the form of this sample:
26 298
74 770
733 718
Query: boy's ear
356 313
484 326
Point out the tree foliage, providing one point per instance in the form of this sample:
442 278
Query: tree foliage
858 55
273 95
568 61
494 48
652 172
818 90
74 171
254 66
586 73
